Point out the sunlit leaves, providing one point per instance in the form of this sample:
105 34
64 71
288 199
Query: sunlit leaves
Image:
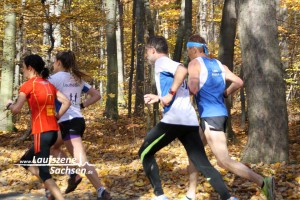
113 146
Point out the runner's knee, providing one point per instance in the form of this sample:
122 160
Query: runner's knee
224 162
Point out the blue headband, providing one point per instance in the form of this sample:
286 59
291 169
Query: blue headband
197 44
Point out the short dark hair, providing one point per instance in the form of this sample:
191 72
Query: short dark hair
159 43
38 64
197 38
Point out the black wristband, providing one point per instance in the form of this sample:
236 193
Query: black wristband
158 100
225 96
8 105
81 106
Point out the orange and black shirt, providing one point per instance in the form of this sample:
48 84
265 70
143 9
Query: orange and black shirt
41 95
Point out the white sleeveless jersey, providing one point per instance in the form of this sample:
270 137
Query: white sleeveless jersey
180 111
72 89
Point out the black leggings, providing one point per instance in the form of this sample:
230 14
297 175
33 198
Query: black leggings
162 135
46 141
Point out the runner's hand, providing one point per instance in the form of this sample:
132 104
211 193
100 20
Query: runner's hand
151 98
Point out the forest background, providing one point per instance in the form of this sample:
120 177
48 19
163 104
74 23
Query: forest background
257 39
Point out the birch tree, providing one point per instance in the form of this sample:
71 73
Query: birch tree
111 107
8 64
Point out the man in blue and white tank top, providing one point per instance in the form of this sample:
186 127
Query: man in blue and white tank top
179 120
207 81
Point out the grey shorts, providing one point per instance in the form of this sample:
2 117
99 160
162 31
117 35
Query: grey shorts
214 123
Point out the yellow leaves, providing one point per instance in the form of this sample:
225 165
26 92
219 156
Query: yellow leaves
282 29
129 126
291 4
113 148
277 165
3 181
207 185
222 171
139 183
111 95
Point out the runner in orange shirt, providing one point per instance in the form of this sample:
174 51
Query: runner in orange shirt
40 95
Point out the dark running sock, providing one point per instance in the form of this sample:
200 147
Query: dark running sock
73 175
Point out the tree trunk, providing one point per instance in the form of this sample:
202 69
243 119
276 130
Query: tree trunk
102 67
188 25
111 108
149 18
48 29
139 83
201 18
267 109
243 104
226 50
56 32
119 34
68 8
282 19
7 70
180 34
20 50
211 24
130 84
150 28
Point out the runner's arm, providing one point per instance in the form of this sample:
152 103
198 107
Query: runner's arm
236 82
65 104
193 78
94 96
179 77
16 107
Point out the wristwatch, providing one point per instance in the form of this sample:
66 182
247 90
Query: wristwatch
8 105
81 106
172 92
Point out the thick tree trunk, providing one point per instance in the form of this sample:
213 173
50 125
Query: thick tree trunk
111 108
7 70
226 49
180 34
267 109
139 83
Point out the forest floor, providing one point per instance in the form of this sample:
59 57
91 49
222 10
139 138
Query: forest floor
113 148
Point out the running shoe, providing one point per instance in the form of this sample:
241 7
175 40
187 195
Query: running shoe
161 197
72 184
104 196
269 188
